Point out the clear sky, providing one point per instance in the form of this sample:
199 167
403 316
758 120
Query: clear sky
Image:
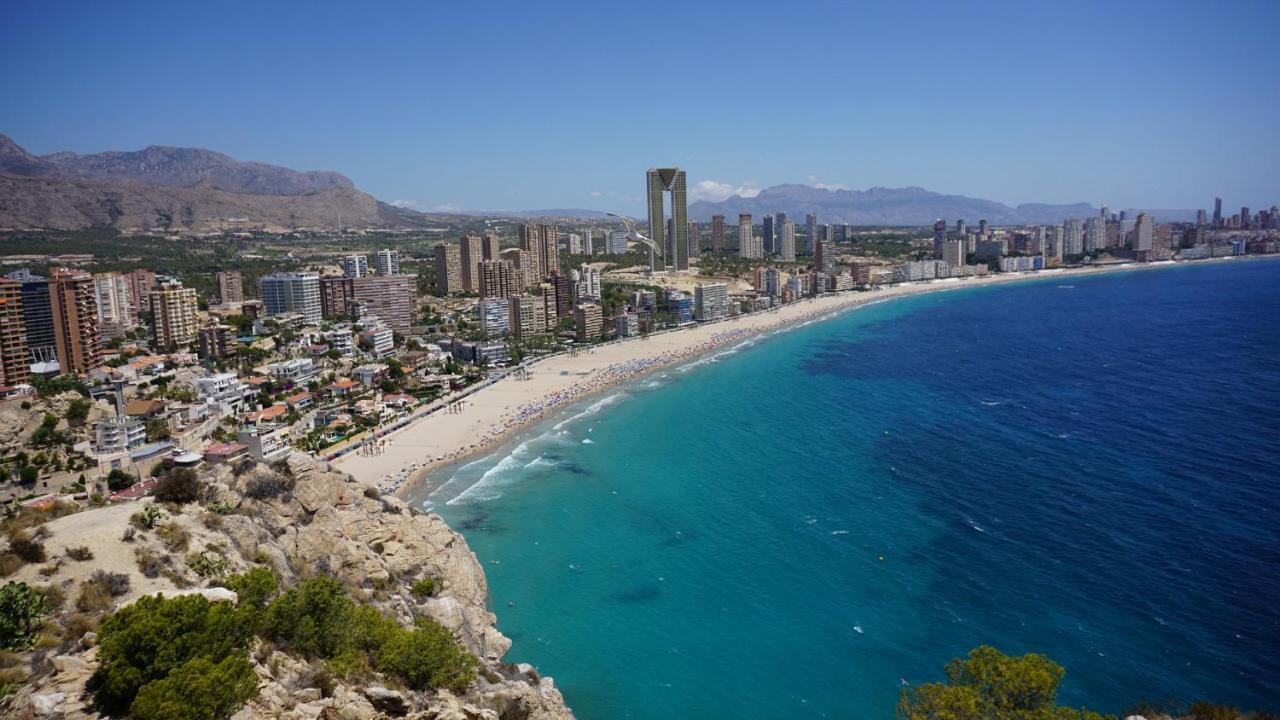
524 105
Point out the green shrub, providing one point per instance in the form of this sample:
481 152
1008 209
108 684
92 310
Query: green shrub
118 480
179 486
1210 711
21 608
77 410
207 563
147 518
198 690
426 587
144 642
314 619
255 588
80 554
27 548
990 684
426 657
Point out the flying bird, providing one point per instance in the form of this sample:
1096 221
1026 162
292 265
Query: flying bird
632 234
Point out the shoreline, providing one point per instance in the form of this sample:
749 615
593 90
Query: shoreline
497 412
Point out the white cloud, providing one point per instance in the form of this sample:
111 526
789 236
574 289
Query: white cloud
447 208
596 193
813 182
410 204
717 191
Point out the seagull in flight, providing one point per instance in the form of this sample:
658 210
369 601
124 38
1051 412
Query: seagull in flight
634 235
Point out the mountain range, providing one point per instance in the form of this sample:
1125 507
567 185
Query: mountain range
189 189
896 206
172 188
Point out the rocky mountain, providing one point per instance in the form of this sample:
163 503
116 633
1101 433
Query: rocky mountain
890 206
319 521
167 188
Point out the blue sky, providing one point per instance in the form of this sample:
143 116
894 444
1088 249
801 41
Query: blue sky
565 104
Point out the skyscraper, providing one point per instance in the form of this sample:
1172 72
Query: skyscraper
77 333
749 245
982 227
1202 218
15 364
393 298
472 254
387 262
542 244
354 266
695 239
448 268
174 319
1072 237
1246 218
811 232
498 279
336 297
769 245
939 237
717 233
960 228
284 293
230 286
1094 234
1143 231
661 181
787 242
492 247
113 304
1217 212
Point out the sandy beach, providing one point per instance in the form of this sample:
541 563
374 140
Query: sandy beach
492 414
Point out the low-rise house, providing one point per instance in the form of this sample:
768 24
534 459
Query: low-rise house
299 400
298 371
144 409
218 453
370 375
343 387
266 443
118 435
267 415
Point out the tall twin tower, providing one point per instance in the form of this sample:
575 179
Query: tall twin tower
673 238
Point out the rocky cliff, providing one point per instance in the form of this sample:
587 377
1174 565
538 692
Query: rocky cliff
301 518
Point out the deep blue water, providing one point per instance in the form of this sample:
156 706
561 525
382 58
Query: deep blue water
797 528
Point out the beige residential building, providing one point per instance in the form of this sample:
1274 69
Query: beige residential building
14 358
174 315
528 316
588 320
230 287
471 254
114 309
498 279
448 268
393 298
73 301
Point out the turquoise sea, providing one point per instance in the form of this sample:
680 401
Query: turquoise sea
1084 467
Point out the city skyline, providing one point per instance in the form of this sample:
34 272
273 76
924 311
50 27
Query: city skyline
1017 117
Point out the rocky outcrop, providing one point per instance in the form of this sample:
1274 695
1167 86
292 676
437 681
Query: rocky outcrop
303 518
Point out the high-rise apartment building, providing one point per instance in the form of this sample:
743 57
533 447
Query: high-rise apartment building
1072 237
354 266
528 316
37 319
588 282
337 295
526 270
953 253
542 244
1094 234
15 362
1217 212
448 268
140 284
114 312
284 293
939 237
749 245
717 233
392 298
675 246
710 302
1143 232
471 254
174 316
588 320
787 242
695 239
498 279
230 286
492 247
73 303
770 244
811 232
495 315
387 262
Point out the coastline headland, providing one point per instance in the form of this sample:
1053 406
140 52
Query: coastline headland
491 415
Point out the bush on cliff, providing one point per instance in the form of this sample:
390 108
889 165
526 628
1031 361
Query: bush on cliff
199 689
319 620
21 610
158 639
990 684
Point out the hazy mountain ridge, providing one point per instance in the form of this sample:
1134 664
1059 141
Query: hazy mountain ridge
167 188
895 206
